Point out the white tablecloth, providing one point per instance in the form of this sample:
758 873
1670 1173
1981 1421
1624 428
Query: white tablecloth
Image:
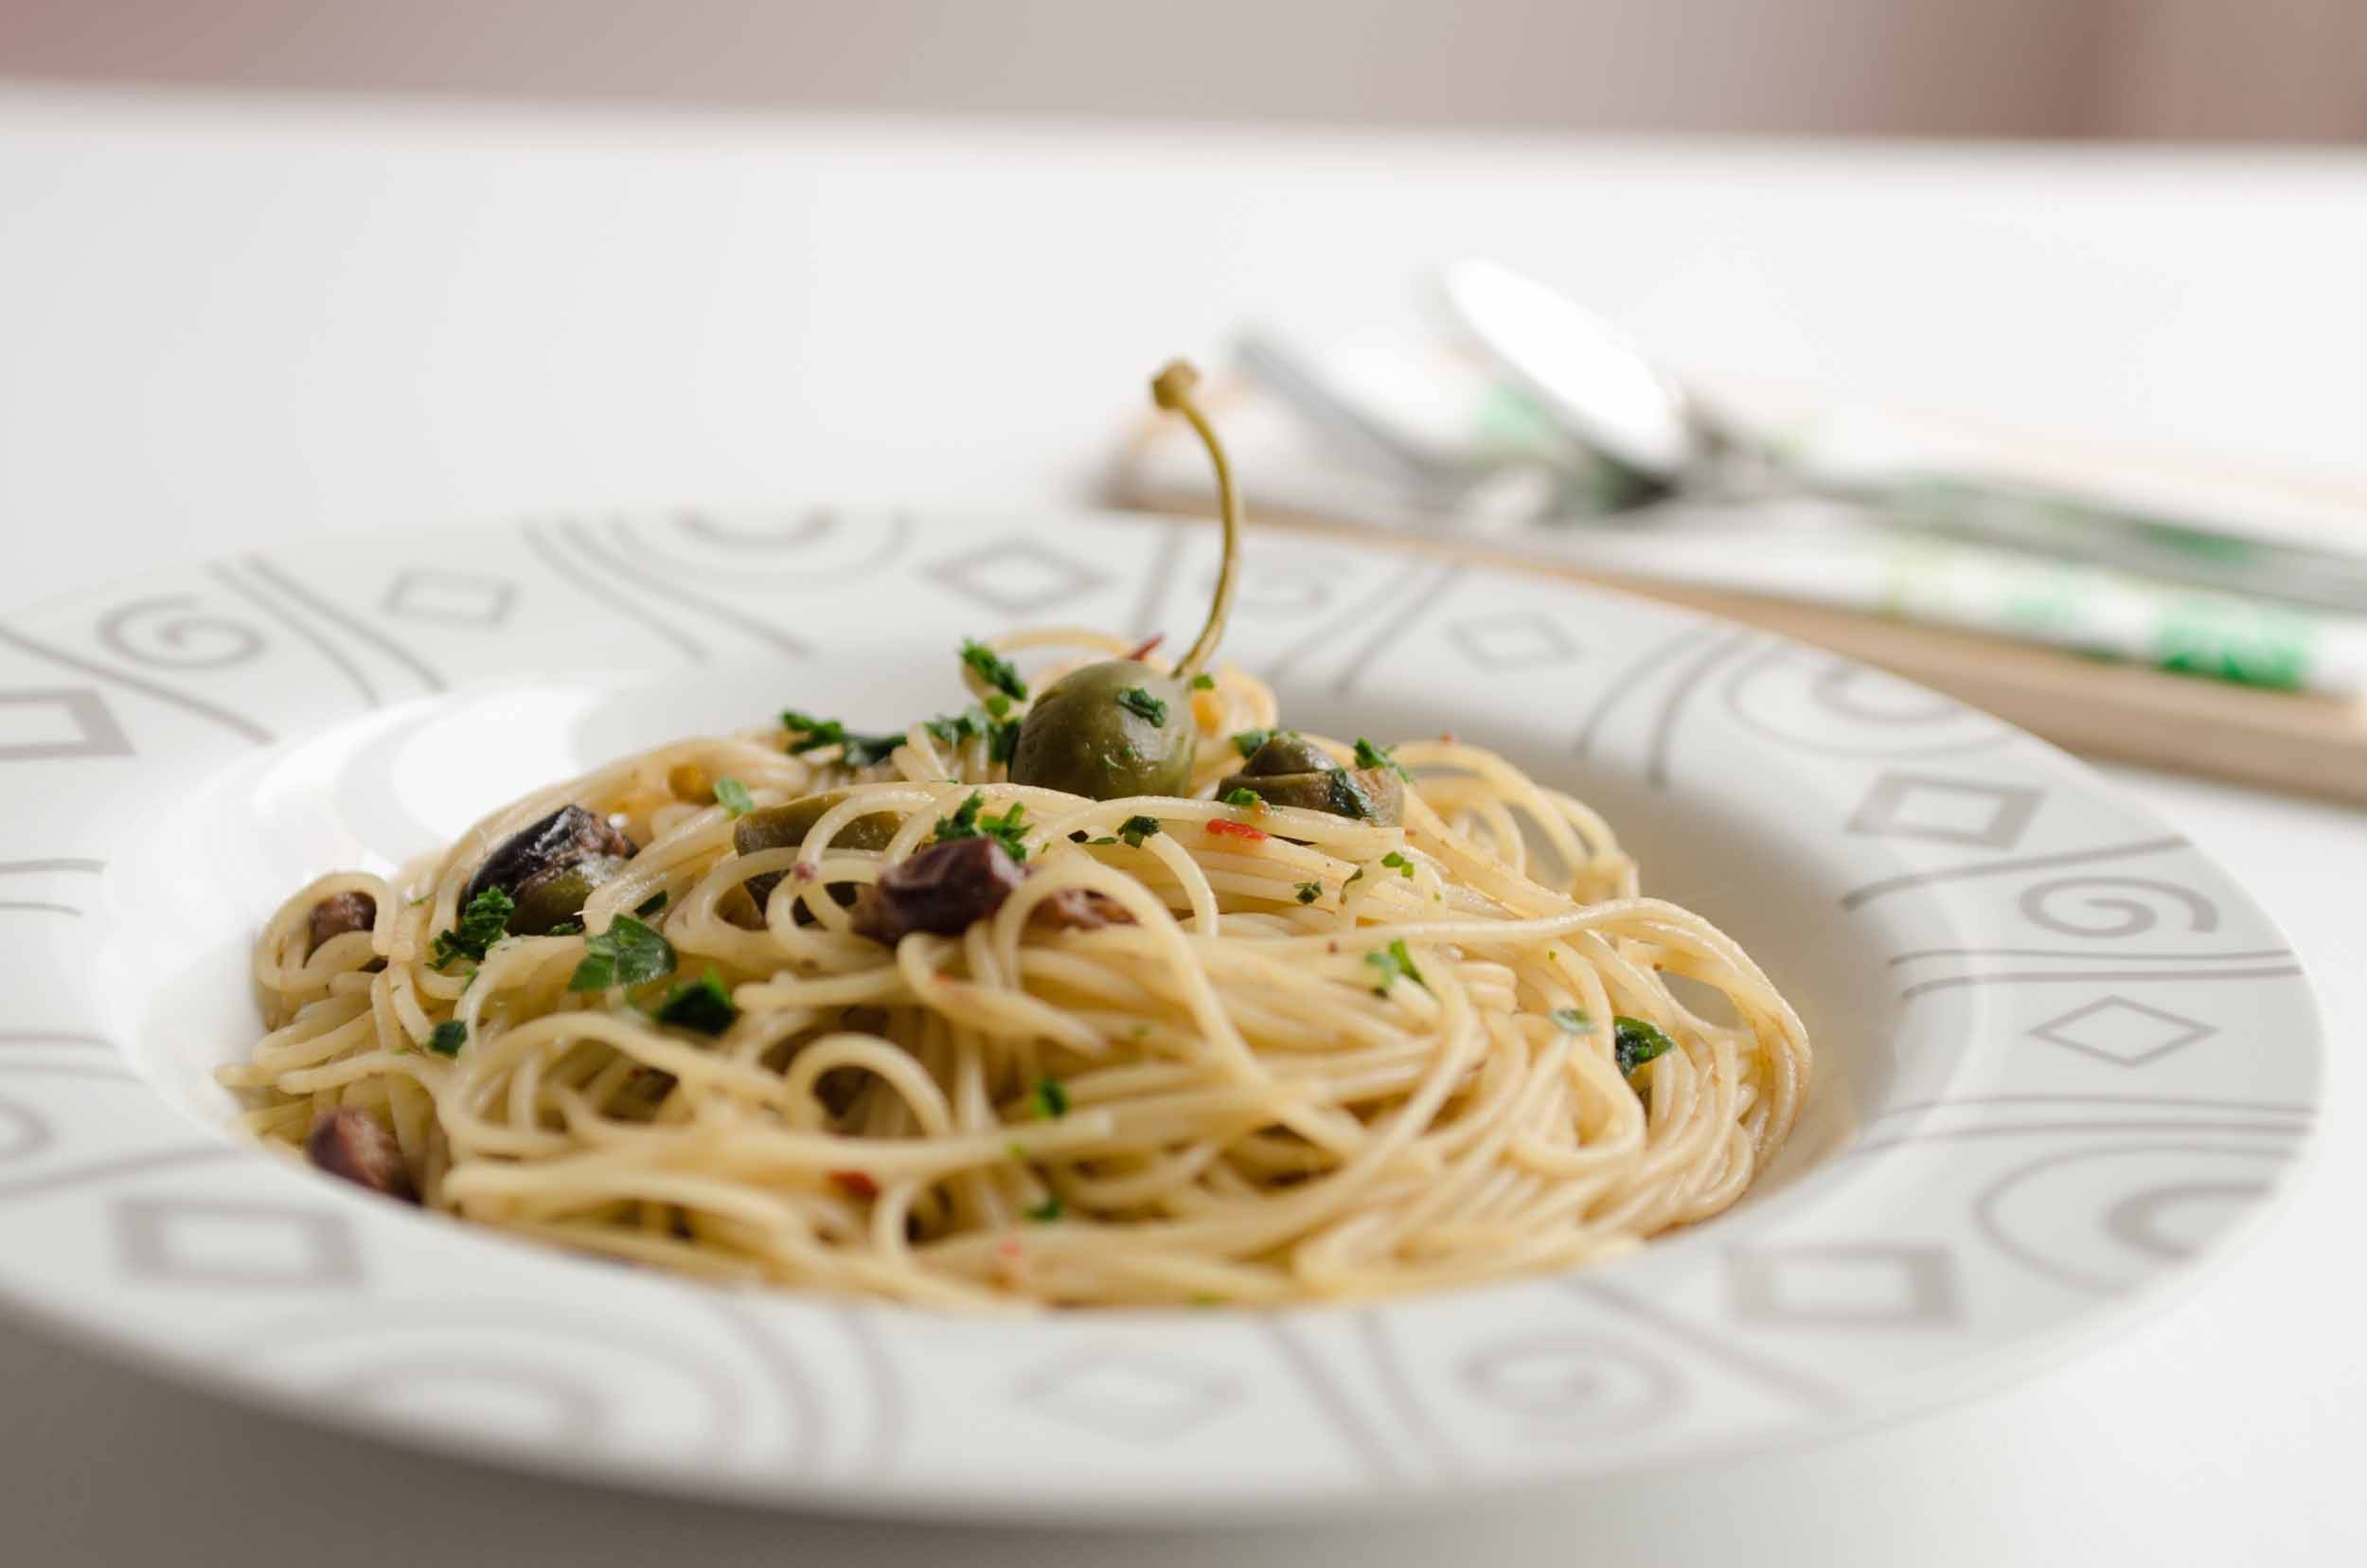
223 323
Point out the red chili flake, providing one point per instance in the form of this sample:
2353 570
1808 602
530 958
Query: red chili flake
856 1183
1227 828
1009 1249
805 871
1447 736
1143 652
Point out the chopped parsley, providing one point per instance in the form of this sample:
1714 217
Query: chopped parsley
811 734
706 1007
1204 682
1247 799
998 706
1635 1043
1247 741
1392 961
627 953
1142 705
446 1038
1047 1211
566 928
650 908
1136 829
955 728
1309 891
483 923
1009 829
1003 742
1050 1098
1370 755
1573 1021
733 796
1397 862
993 669
1357 877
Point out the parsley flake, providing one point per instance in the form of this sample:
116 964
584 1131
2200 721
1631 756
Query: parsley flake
1009 829
1136 829
1246 798
1142 704
446 1038
857 751
1047 1211
1050 1098
1309 891
1247 741
650 908
1370 755
998 706
952 729
1635 1043
706 1007
566 928
1003 742
993 669
1573 1021
733 796
1397 862
1204 682
1392 962
483 923
627 953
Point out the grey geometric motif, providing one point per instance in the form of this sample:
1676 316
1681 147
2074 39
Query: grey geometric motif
1513 642
82 726
1570 1388
1018 576
1868 1285
2125 1033
1130 1394
1953 811
448 598
202 1241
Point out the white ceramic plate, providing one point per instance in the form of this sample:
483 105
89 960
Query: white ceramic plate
2060 1057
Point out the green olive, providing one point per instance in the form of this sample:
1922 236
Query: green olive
1290 770
1108 731
559 894
785 827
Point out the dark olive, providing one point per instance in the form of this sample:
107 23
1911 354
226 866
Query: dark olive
1292 771
1108 731
785 827
339 914
549 868
1287 753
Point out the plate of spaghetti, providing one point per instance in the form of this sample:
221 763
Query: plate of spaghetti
1079 1016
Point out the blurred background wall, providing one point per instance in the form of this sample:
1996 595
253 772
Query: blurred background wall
2182 69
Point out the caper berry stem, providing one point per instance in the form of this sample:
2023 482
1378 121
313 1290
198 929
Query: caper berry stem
1172 389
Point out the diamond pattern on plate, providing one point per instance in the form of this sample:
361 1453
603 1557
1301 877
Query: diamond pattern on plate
59 721
448 598
1130 1394
1953 811
1866 1284
2125 1033
1513 642
1017 574
171 1241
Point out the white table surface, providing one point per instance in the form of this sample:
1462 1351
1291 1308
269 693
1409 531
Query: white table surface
223 323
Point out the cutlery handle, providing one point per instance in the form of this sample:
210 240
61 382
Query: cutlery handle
2073 527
